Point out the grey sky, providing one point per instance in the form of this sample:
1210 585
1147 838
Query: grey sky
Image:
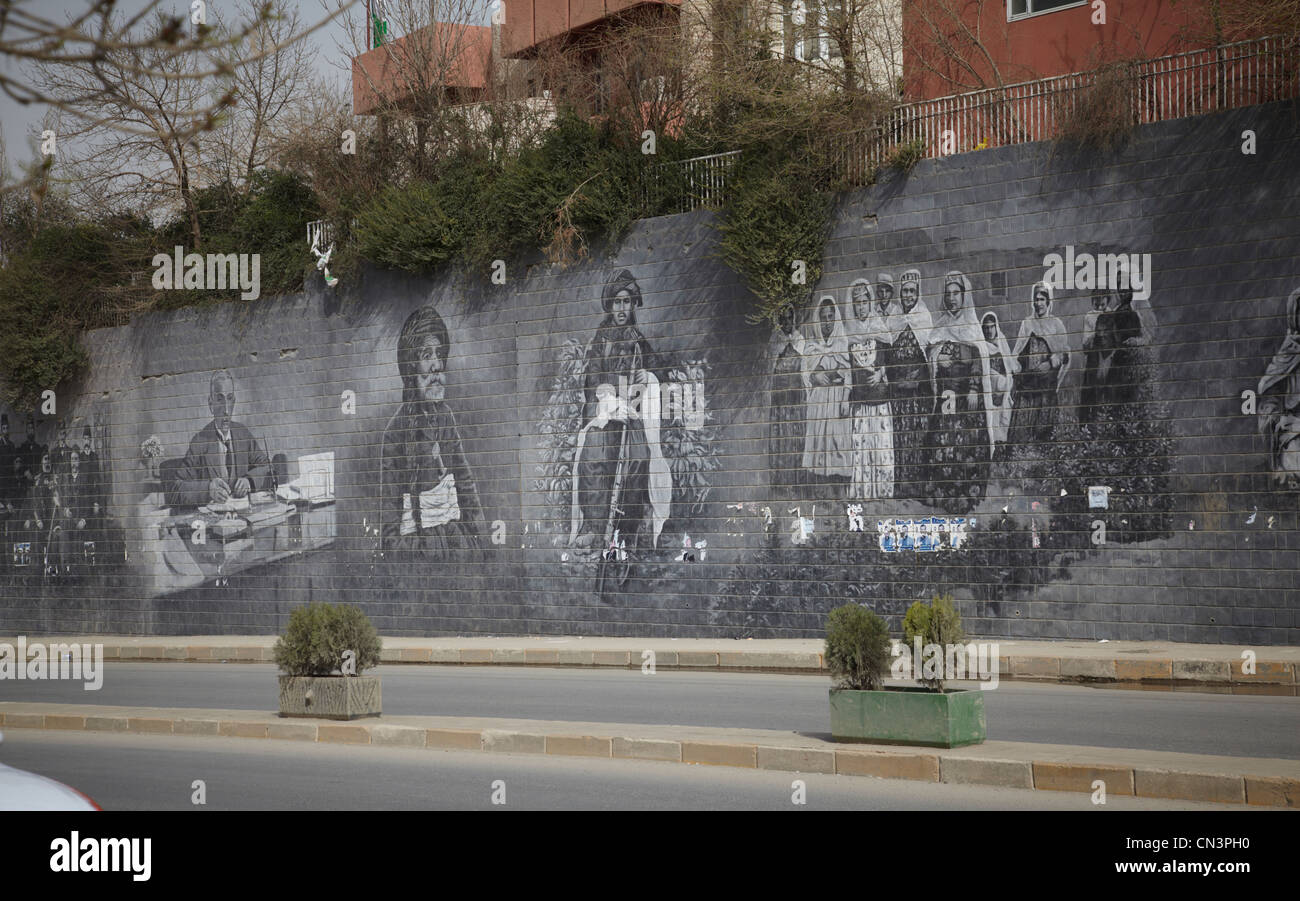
19 122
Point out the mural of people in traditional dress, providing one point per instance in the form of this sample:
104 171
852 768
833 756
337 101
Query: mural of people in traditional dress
1119 333
427 491
873 430
828 441
1279 402
1042 353
1093 362
959 443
786 412
911 384
622 493
1002 372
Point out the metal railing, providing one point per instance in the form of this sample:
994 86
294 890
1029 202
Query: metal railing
686 185
1245 73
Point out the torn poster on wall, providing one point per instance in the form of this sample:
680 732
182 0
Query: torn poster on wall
931 533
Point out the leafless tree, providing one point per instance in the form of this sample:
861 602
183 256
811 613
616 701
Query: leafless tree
148 44
146 126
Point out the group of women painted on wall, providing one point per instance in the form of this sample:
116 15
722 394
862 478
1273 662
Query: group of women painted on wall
892 399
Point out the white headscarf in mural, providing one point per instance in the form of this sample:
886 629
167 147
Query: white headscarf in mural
918 318
1001 386
1047 327
877 325
1279 410
963 327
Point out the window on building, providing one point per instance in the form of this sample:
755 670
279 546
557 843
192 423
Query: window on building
1019 8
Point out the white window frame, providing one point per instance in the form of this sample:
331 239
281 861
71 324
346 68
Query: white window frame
1042 12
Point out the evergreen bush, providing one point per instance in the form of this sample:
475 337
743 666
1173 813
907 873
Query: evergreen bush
857 648
318 635
938 623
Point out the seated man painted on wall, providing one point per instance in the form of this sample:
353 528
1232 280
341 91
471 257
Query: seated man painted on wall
224 459
911 385
429 501
623 490
1279 402
959 444
1042 352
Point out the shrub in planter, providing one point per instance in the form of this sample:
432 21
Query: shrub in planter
322 653
858 652
857 648
938 623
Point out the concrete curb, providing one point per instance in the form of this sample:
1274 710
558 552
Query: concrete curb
1216 668
1131 773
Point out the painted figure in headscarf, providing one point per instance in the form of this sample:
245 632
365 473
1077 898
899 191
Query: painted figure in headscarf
623 488
1002 372
873 429
1042 352
785 434
1279 401
828 442
911 385
959 442
426 488
1119 334
1096 358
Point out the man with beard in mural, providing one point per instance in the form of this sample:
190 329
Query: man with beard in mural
622 488
911 387
427 491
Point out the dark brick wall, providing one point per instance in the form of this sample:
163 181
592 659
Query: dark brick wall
1202 536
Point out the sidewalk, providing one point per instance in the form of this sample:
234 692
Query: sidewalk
1155 664
1025 765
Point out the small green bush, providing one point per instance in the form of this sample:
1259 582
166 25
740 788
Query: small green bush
317 636
937 623
857 648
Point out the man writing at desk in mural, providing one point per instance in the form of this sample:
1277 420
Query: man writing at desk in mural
224 460
428 495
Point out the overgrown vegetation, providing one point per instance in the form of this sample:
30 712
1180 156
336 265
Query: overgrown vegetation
318 637
857 648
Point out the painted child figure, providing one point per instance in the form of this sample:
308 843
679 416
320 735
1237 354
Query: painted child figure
873 431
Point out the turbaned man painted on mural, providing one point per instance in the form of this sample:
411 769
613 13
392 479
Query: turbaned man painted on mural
427 491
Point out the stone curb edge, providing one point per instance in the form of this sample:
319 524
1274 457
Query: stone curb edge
1039 668
920 765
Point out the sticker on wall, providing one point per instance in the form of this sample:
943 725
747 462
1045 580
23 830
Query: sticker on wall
1099 497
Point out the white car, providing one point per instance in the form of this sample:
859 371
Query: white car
21 790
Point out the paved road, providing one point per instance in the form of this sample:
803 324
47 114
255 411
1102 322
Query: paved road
1236 725
134 772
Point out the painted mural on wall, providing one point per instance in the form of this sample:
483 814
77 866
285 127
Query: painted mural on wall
227 505
427 492
631 456
1279 402
627 444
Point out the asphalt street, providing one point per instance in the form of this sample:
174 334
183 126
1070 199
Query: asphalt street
135 772
1190 722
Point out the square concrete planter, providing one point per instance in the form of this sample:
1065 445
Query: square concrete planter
330 697
909 716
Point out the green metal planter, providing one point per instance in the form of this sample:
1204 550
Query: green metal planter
909 716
